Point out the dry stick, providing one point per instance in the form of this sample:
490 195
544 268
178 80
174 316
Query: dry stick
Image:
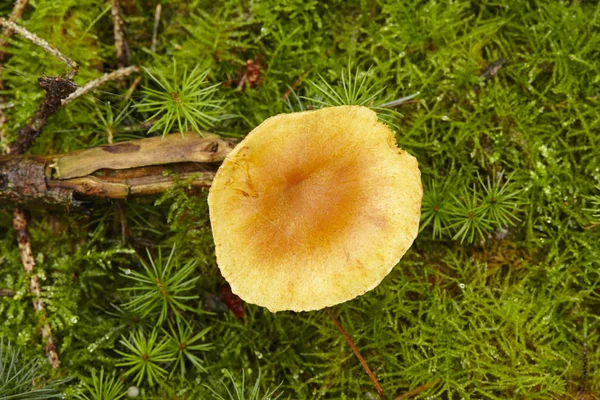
356 352
16 14
91 85
55 89
132 88
53 51
7 293
119 32
20 224
155 30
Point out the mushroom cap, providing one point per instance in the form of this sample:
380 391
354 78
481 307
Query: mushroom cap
314 208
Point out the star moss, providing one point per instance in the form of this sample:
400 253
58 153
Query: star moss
498 298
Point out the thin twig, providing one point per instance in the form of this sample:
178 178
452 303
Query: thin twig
91 85
132 88
7 292
7 32
119 32
20 225
155 30
33 38
356 352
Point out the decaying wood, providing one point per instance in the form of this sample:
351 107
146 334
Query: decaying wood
137 153
57 88
139 167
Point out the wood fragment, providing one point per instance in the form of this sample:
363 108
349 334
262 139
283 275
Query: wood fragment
93 84
7 32
7 293
20 224
356 353
15 15
156 25
132 88
136 168
493 68
119 32
174 148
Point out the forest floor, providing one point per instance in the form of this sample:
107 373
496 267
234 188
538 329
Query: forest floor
498 298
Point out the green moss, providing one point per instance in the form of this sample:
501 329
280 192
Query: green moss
499 296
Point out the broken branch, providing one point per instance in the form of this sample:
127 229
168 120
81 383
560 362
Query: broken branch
57 88
139 167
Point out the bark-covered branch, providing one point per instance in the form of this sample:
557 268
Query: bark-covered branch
138 167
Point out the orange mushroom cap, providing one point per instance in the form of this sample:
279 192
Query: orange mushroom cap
314 208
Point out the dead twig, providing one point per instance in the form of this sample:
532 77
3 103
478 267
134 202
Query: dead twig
57 89
91 85
155 30
7 32
135 168
119 32
33 38
20 225
132 88
356 352
7 293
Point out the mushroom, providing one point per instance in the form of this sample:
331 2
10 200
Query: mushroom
314 208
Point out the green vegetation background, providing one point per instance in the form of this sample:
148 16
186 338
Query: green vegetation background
499 298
